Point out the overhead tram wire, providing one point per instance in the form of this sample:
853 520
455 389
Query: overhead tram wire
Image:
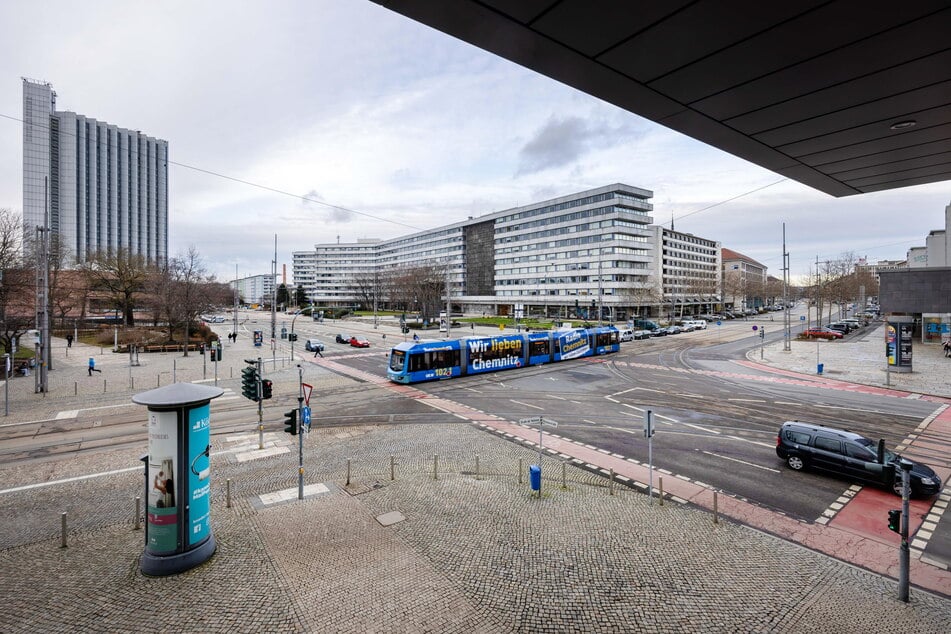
249 183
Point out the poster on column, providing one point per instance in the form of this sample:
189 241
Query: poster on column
199 474
163 497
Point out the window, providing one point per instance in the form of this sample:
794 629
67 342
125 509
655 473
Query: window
859 452
828 444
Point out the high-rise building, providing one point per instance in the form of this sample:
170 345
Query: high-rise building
105 188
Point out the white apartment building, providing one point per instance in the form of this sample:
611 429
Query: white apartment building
686 273
562 257
105 187
256 289
744 281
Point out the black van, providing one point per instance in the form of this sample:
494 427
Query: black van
846 453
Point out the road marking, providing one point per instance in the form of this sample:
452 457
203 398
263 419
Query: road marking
623 392
753 442
588 421
691 395
560 398
71 413
712 431
747 400
784 403
710 453
632 407
526 404
40 485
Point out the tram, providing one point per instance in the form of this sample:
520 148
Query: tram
432 360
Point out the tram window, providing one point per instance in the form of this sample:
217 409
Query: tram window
433 360
538 348
397 359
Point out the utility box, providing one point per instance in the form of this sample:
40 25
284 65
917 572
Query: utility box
535 477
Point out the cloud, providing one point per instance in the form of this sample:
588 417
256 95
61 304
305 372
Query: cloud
563 141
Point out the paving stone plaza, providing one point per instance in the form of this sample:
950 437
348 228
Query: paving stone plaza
476 552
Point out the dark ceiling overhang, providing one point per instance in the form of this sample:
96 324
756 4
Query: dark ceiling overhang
847 96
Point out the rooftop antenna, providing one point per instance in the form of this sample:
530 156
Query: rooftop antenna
671 220
338 239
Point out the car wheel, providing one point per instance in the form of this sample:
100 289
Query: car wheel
795 463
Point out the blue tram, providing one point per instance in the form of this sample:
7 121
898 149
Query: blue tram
412 362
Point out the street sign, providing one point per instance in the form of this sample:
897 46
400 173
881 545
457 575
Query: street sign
802 318
307 390
719 323
305 418
755 328
648 423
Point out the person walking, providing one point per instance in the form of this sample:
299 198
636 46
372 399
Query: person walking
69 341
92 366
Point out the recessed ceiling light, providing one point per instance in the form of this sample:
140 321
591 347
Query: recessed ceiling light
901 125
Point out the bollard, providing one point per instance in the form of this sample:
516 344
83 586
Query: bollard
611 483
158 380
716 519
132 382
75 388
232 372
348 471
564 476
103 386
138 508
435 466
477 467
660 490
228 493
63 517
392 467
519 470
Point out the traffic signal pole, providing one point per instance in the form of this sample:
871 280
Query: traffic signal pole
300 433
904 556
260 407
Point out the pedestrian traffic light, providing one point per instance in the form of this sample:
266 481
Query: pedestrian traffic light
894 520
292 336
266 389
249 383
290 422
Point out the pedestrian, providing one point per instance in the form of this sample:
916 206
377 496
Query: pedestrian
92 366
234 337
317 353
415 337
69 341
947 348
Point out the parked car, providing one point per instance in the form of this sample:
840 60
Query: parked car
340 338
626 335
642 334
803 445
359 343
698 324
659 332
839 327
821 333
674 330
849 327
313 345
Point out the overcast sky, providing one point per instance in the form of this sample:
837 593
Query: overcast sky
390 127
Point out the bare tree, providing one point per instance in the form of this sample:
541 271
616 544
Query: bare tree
17 283
189 280
122 277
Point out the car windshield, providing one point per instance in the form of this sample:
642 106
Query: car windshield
889 455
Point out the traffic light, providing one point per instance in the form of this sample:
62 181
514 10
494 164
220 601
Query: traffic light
292 336
266 389
249 383
894 520
290 422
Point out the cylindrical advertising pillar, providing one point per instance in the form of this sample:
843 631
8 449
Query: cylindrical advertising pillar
178 478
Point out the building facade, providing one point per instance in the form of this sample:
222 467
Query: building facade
98 187
255 289
568 257
686 273
744 281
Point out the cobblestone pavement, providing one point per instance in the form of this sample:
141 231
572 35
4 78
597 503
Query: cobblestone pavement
476 552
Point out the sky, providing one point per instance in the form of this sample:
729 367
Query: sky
319 121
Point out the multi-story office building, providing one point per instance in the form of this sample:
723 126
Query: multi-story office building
255 289
99 187
563 257
744 281
686 273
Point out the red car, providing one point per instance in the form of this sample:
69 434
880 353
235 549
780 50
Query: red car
822 333
359 343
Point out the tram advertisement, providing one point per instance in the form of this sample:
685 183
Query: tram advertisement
573 343
486 354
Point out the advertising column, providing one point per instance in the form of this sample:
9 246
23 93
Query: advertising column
178 533
899 331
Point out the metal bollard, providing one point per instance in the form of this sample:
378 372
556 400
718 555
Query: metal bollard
63 518
435 466
564 476
103 386
348 471
716 518
611 483
75 388
392 468
138 509
660 490
132 382
228 493
158 380
477 467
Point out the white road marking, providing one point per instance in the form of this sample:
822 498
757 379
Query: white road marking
712 431
709 453
753 442
526 404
